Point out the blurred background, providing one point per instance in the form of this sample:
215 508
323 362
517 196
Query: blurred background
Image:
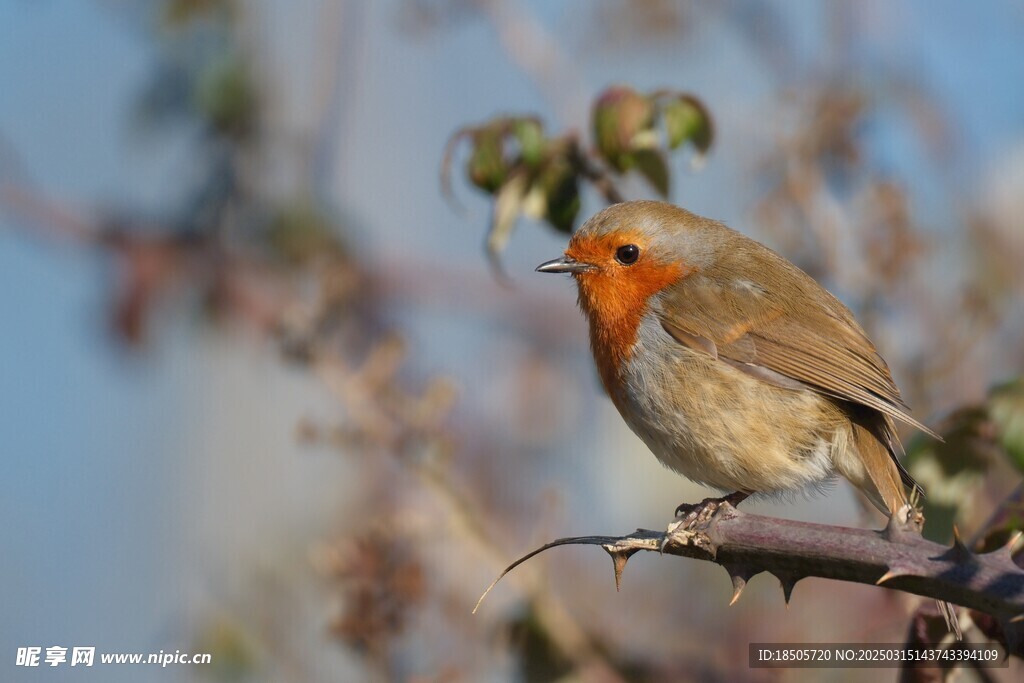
264 393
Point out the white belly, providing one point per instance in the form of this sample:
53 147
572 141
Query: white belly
721 427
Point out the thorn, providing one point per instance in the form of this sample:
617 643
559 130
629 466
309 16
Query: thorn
1014 538
890 575
619 560
960 552
787 581
738 584
1004 553
739 575
895 571
906 521
787 592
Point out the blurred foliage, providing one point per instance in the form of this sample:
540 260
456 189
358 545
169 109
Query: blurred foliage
529 172
626 130
225 97
204 74
232 655
383 584
1006 408
976 439
525 171
228 224
1005 526
539 657
300 231
178 13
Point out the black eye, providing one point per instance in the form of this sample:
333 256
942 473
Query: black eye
628 254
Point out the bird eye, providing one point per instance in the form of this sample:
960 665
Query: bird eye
627 254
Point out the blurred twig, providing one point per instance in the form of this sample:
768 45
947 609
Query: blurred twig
390 420
534 50
599 177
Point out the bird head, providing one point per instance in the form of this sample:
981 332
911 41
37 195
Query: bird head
630 252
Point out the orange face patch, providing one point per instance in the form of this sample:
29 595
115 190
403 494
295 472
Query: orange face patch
614 296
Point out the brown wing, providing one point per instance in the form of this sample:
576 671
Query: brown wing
806 339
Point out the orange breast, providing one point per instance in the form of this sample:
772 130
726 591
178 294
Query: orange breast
614 299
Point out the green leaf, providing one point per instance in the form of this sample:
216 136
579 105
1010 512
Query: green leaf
530 136
560 185
651 164
486 166
687 120
300 231
226 97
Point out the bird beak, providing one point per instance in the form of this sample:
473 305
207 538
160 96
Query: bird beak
564 265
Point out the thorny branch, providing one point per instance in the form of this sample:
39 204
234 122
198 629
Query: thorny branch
896 557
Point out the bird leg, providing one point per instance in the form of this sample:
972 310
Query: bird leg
692 514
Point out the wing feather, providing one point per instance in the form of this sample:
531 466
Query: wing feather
808 336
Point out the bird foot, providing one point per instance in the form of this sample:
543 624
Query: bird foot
695 514
691 516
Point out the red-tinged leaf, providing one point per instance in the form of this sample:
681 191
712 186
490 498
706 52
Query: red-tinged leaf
619 116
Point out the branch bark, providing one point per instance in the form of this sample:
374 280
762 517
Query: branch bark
896 557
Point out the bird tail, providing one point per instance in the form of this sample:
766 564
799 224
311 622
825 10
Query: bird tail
883 486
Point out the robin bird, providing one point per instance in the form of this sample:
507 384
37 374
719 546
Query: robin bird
735 367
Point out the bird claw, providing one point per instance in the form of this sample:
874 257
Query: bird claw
689 515
694 514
